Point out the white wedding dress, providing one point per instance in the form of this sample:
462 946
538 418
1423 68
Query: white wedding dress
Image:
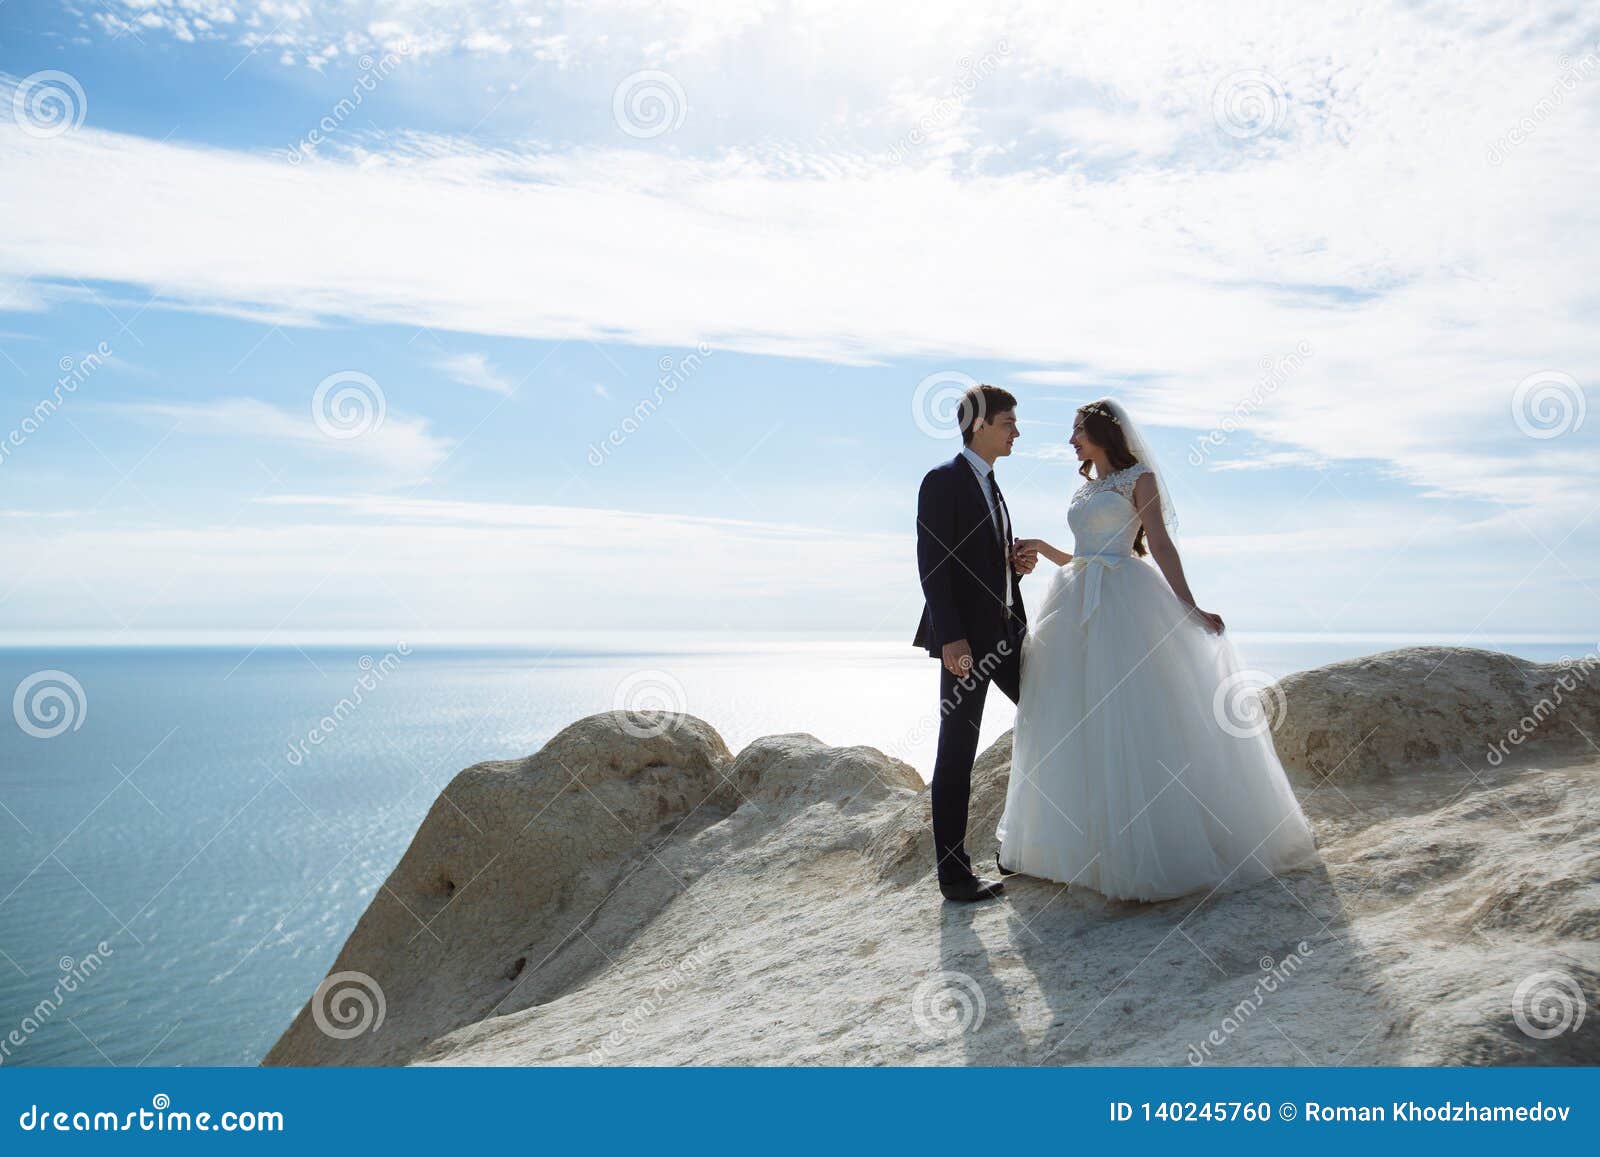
1128 775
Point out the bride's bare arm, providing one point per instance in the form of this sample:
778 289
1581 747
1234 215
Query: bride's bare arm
1147 500
1059 557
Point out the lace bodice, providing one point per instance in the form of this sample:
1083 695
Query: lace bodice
1102 514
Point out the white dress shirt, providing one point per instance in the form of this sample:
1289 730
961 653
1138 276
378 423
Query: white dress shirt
982 469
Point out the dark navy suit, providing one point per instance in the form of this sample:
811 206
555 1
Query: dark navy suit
964 562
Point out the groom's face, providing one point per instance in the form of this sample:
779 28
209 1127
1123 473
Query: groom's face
992 436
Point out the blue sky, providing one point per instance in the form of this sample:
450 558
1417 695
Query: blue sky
1357 252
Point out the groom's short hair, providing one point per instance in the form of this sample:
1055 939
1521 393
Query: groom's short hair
982 402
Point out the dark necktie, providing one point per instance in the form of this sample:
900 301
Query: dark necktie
1001 523
999 513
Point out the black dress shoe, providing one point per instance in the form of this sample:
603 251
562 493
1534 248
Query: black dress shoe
966 891
1004 871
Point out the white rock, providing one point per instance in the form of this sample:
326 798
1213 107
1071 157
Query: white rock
618 900
1425 706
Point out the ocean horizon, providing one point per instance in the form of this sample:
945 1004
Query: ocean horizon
205 822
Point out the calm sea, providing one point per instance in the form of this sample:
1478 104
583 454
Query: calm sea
199 817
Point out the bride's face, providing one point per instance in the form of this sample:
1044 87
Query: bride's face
1080 442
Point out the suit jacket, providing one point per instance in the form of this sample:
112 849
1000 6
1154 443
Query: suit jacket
963 565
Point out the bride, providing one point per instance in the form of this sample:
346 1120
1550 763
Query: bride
1126 775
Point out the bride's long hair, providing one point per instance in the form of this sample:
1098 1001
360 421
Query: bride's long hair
1103 429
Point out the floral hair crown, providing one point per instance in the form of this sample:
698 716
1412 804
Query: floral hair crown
1102 410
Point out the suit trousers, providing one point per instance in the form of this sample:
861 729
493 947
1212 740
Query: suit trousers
961 715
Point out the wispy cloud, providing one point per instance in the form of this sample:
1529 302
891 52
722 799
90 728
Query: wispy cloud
474 370
1049 452
1131 297
1204 202
448 563
384 562
564 520
400 448
315 33
1270 461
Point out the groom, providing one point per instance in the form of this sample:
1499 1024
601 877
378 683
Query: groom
973 621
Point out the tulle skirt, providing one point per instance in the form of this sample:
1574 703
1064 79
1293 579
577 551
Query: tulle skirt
1142 766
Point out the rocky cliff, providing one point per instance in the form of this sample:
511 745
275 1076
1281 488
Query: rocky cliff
635 894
